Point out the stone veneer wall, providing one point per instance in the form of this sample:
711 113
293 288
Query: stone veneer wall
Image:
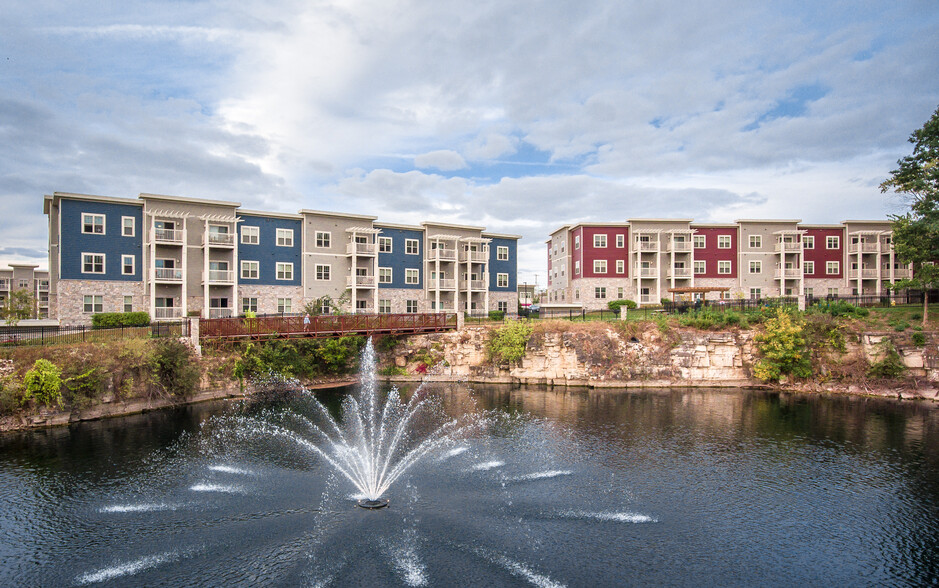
820 287
587 291
734 292
511 298
70 301
267 297
400 296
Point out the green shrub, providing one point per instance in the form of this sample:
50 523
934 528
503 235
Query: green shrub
840 308
890 364
175 368
916 316
507 343
496 315
615 305
919 338
43 383
110 320
393 370
782 350
10 399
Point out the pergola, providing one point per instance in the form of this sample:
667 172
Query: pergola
703 290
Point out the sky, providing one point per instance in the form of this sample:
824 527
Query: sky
517 115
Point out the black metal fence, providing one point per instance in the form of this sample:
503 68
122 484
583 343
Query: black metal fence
59 335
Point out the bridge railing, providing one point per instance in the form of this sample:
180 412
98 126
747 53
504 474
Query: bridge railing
325 325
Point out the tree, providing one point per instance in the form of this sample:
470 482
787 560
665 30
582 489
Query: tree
18 307
916 233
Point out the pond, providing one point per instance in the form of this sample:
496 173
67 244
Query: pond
567 488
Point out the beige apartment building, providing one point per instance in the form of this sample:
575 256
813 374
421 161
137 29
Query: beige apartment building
26 276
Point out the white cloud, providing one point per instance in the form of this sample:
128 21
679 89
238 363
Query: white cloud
442 159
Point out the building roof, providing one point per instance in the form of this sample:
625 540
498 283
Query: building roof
187 200
289 215
338 214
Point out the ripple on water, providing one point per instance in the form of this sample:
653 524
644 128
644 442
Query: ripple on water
619 517
118 508
487 465
127 568
227 489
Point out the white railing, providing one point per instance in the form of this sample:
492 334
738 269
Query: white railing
679 246
864 274
169 274
167 313
647 245
442 254
168 235
474 256
788 246
791 272
648 272
220 313
645 299
4 284
474 284
862 247
900 273
680 272
221 276
360 248
44 285
442 284
225 239
361 281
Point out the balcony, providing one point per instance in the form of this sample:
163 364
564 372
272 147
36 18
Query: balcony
648 272
788 247
899 273
220 313
679 272
367 249
165 313
788 273
4 284
442 284
647 246
168 274
173 236
865 274
474 285
221 239
474 256
224 277
43 285
360 281
679 246
442 254
645 299
863 248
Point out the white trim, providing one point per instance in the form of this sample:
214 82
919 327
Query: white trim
104 265
253 231
499 277
133 226
595 266
390 242
499 250
316 270
104 223
277 237
417 243
605 240
93 296
316 238
729 266
417 279
277 267
390 275
133 264
257 270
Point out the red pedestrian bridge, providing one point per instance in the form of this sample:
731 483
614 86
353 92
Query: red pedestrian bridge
282 327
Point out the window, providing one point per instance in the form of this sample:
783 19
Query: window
322 272
323 239
92 263
599 292
502 280
384 244
576 268
249 305
620 266
599 266
93 224
620 293
384 307
128 304
502 306
621 241
250 235
324 307
412 276
576 241
93 303
249 270
502 253
599 240
700 241
361 304
128 226
284 305
284 271
809 292
285 237
723 241
756 267
808 267
412 247
723 267
833 267
833 242
808 241
410 306
833 291
127 265
699 267
361 239
755 293
756 241
384 275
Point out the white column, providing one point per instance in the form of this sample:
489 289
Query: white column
437 272
152 270
355 265
184 257
205 269
236 271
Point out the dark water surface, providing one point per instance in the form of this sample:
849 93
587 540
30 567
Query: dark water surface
677 487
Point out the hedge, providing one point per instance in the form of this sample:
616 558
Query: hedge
110 320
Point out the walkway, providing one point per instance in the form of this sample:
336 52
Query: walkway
281 327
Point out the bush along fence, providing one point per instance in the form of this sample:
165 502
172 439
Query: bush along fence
59 335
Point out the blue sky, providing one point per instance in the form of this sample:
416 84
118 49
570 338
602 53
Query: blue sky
519 116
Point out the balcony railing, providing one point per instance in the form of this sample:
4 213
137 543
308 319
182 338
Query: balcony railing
221 276
164 313
442 254
474 256
679 272
648 272
645 298
789 273
474 285
43 285
360 249
360 281
862 247
221 239
899 273
168 274
647 246
864 274
679 246
220 313
4 284
788 246
168 235
442 284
